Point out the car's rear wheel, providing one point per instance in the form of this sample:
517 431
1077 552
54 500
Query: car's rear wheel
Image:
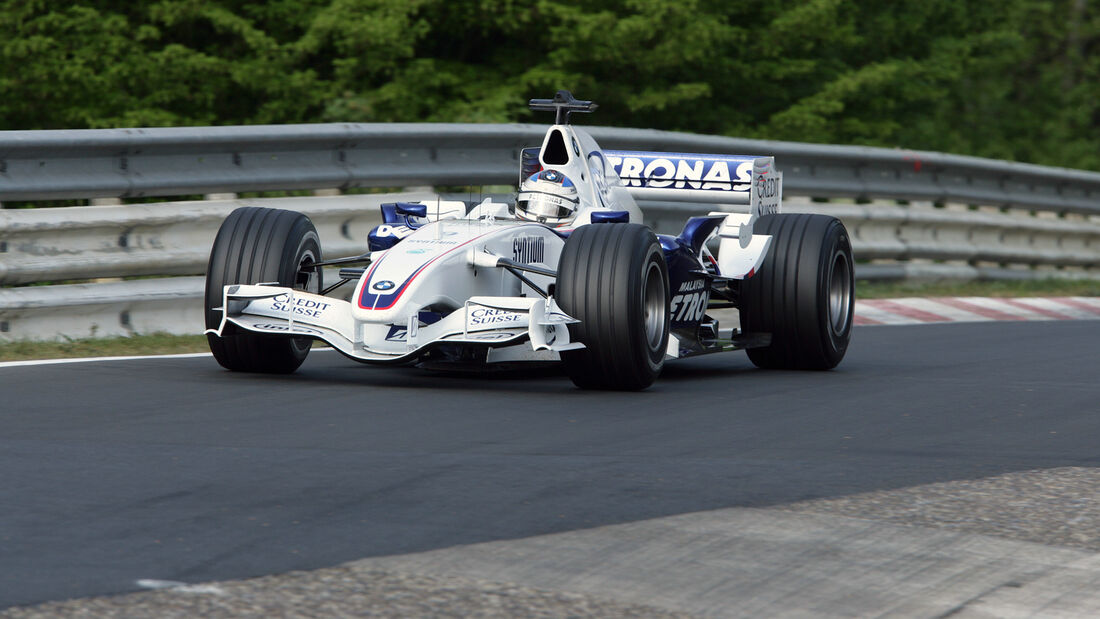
261 245
803 294
613 278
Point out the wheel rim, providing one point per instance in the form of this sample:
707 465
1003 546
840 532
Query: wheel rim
307 280
654 306
840 292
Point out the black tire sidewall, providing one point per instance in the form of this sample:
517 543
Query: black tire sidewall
655 356
837 247
309 245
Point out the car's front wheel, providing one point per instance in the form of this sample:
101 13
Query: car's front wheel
613 278
261 245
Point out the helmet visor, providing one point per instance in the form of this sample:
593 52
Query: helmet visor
544 206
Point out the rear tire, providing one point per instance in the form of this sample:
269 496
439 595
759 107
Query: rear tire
613 278
260 245
804 294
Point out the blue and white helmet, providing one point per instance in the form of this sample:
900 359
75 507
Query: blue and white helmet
548 197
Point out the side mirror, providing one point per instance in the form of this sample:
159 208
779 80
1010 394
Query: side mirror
415 210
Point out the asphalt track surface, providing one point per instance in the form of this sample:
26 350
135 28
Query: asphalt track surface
175 469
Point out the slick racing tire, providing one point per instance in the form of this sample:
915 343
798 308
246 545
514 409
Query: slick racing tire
803 295
614 280
260 245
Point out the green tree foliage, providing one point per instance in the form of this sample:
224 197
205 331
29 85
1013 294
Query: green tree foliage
1015 79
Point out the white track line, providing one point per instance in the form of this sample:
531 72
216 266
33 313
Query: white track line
180 587
13 364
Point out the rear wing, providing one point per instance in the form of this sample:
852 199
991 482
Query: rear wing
690 177
696 177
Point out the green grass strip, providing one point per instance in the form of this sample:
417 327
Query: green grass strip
157 344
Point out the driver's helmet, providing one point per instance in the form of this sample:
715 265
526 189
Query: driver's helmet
547 197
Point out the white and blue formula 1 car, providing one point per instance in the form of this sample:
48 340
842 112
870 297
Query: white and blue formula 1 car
568 273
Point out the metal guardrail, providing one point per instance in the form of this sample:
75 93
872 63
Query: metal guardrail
130 163
173 238
869 173
126 163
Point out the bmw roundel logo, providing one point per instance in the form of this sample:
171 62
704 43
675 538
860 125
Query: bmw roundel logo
384 285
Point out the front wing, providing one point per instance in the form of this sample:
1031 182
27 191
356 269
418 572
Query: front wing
492 322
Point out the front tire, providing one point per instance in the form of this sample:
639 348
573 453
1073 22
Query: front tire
613 278
804 294
261 245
